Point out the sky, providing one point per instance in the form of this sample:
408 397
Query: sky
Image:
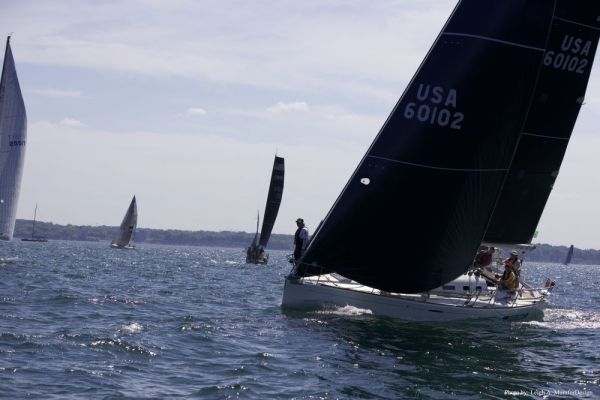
184 103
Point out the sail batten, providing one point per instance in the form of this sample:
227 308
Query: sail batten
13 138
400 227
557 100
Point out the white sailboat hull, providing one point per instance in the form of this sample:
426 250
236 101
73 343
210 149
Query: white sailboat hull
127 247
330 291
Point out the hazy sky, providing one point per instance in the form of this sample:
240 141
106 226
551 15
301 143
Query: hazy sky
185 102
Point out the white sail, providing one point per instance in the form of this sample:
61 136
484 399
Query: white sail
127 228
13 136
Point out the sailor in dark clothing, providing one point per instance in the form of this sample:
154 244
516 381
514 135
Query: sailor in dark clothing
300 239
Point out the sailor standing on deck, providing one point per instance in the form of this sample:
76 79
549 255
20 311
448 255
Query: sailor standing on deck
515 264
300 239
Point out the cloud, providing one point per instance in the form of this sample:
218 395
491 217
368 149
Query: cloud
282 107
56 93
196 111
72 123
219 173
308 46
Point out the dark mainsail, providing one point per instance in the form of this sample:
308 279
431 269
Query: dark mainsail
415 210
569 255
556 102
128 225
273 200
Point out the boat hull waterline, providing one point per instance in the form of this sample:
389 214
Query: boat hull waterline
116 246
321 293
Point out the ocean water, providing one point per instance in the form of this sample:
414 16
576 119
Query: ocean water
81 320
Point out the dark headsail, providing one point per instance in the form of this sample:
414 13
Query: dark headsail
273 200
555 106
413 214
569 255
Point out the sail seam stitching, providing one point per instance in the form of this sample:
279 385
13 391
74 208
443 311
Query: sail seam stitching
495 40
439 168
544 136
577 23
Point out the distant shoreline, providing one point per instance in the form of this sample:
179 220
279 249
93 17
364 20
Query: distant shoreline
103 233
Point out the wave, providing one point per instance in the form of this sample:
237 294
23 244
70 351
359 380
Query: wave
8 260
347 311
115 299
121 344
134 327
565 319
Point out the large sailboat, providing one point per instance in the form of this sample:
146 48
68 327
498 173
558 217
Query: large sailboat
256 252
13 138
33 237
127 229
468 156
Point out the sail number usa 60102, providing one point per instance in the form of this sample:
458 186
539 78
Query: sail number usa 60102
435 105
572 57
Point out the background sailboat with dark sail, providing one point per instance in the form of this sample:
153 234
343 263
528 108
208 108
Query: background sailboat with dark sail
256 253
127 229
569 255
13 138
33 237
432 180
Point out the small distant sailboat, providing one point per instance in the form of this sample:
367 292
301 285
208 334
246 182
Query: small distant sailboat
127 228
13 137
34 238
255 253
569 255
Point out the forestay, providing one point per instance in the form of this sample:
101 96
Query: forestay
415 210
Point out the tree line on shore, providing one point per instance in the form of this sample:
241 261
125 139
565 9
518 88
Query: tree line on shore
51 231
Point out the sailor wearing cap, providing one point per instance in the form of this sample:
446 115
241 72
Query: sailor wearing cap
300 239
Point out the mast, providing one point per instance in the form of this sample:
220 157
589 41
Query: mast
415 210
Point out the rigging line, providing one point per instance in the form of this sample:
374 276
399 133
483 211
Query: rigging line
495 40
439 168
570 21
544 136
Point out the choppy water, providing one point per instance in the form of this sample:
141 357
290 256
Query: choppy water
81 320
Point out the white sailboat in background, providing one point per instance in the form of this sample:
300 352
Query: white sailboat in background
33 237
468 156
13 138
127 228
